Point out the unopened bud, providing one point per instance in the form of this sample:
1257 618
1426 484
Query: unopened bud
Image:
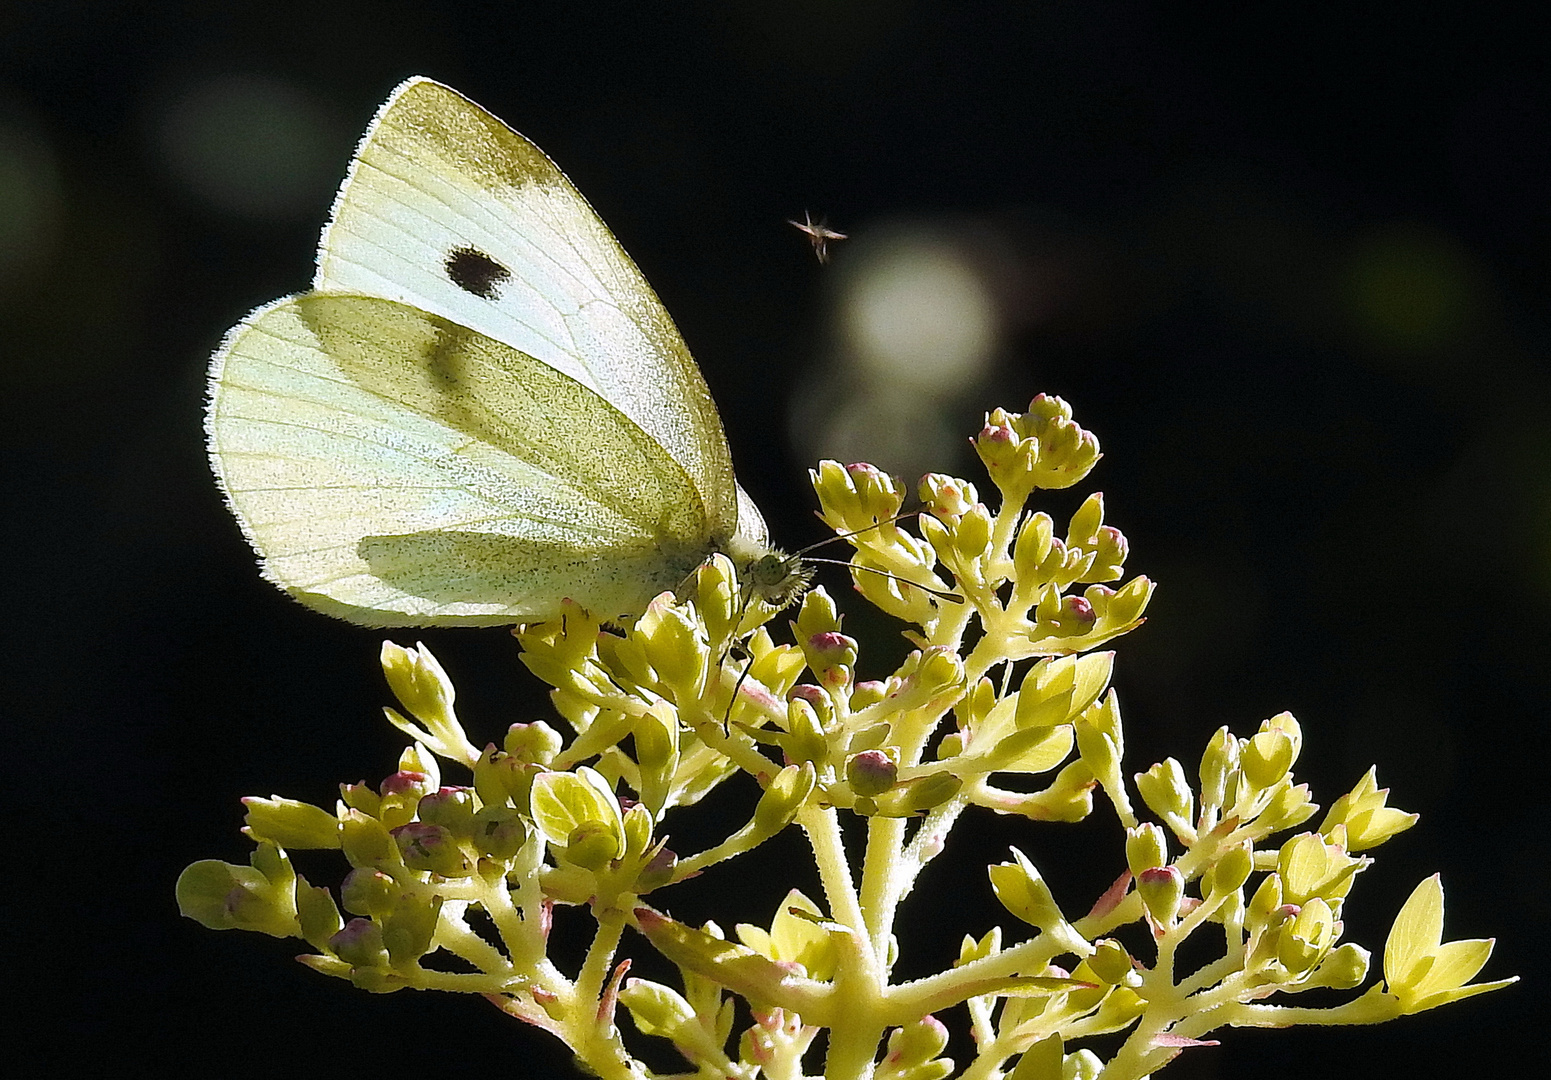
430 848
872 772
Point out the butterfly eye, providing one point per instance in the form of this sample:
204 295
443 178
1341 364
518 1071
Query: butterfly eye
475 272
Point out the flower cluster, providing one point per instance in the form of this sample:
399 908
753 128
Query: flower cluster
1004 693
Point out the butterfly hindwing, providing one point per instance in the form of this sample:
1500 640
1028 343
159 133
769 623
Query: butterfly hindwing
393 467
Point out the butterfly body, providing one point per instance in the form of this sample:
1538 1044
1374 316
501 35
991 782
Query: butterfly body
481 409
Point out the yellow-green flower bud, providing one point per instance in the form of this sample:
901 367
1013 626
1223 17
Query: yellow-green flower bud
1101 754
360 797
1009 459
316 913
1022 891
832 657
638 831
535 743
1032 551
1146 848
592 845
1066 453
1266 901
1344 968
946 497
815 615
1267 758
918 795
854 497
419 682
1110 549
807 741
657 1009
290 824
783 798
499 832
1219 768
401 792
1111 962
365 840
367 892
1167 793
1231 870
1084 525
489 778
972 536
407 932
1308 937
1288 808
359 944
1162 889
939 671
450 807
868 692
430 848
913 1052
716 596
222 896
675 647
1288 725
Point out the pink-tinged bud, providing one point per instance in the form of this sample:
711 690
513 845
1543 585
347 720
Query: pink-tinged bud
658 871
367 892
998 433
430 848
831 648
913 1046
451 807
359 944
868 692
1078 610
871 772
1162 889
405 782
947 497
813 695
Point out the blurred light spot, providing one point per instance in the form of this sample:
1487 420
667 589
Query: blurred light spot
29 202
1412 290
916 328
916 310
251 145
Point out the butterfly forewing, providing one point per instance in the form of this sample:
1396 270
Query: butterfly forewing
450 211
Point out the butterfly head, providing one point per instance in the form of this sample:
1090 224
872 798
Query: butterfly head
776 578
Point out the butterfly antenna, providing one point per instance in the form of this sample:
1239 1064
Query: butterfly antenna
800 552
941 594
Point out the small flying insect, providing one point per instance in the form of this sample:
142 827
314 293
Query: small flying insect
819 234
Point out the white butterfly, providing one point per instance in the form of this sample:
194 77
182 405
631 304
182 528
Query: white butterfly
481 408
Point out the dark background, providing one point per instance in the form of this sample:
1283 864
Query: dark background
1288 261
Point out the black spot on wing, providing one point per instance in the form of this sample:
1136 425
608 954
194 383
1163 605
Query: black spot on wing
475 272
